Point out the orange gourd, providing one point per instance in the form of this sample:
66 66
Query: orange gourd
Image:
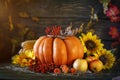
57 50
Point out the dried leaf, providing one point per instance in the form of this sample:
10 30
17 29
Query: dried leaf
73 32
93 15
76 31
69 33
89 24
61 32
68 28
92 11
80 28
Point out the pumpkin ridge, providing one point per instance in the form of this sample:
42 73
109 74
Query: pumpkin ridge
41 56
70 49
47 50
59 52
36 46
72 45
79 47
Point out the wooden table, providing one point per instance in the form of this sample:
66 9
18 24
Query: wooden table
12 72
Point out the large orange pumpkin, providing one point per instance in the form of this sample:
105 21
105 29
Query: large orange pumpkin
57 50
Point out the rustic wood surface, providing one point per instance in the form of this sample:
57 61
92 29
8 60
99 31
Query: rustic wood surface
12 72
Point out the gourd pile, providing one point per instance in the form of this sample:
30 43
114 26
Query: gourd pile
62 52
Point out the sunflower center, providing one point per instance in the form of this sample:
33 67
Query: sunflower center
103 59
90 44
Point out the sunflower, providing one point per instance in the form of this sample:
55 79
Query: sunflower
24 58
107 58
91 42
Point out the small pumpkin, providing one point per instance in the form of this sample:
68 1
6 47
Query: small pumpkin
57 50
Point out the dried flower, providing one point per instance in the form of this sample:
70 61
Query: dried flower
113 13
54 30
73 70
65 68
57 71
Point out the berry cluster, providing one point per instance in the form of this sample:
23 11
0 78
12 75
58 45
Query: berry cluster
42 68
54 30
64 69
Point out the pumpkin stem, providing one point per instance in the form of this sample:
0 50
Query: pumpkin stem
62 37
